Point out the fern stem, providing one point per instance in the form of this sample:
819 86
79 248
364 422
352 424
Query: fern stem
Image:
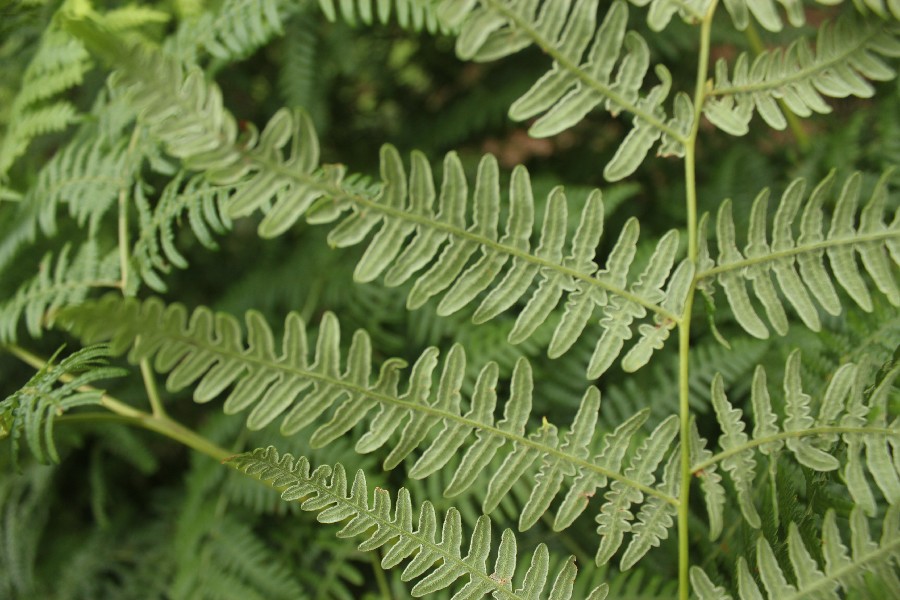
156 404
785 435
127 413
124 254
380 579
684 325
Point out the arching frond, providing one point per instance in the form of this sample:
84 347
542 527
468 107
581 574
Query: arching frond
844 569
587 71
207 350
844 415
848 53
59 65
32 409
414 15
877 243
325 491
56 285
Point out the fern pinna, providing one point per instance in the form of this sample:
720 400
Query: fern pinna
178 150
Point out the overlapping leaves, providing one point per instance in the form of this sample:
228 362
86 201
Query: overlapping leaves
207 351
437 558
589 70
844 569
845 415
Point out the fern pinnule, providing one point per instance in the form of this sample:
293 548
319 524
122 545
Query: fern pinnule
325 491
414 15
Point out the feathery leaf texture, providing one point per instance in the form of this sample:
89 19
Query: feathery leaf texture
207 350
32 409
414 15
848 53
325 491
59 64
185 112
843 568
64 283
877 243
584 74
154 251
766 13
412 236
844 414
234 31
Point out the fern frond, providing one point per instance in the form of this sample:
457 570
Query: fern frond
184 111
207 350
87 175
59 65
405 209
32 410
848 53
877 243
582 77
232 32
843 415
154 252
414 15
58 284
843 568
325 491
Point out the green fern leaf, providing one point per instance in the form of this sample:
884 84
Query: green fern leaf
234 30
741 466
414 15
324 491
842 411
847 54
705 588
615 516
207 350
714 495
154 252
581 78
841 571
32 410
58 65
872 239
184 112
811 580
59 284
